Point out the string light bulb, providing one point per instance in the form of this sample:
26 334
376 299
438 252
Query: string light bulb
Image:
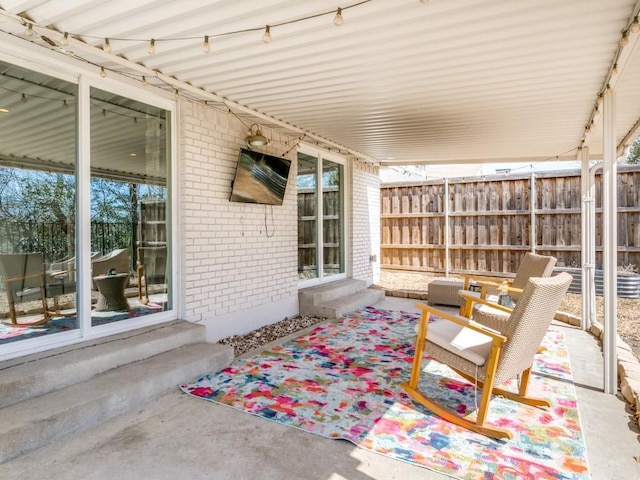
64 41
24 98
177 94
144 81
338 20
103 72
635 26
29 30
206 47
106 46
65 104
151 49
266 38
614 69
624 41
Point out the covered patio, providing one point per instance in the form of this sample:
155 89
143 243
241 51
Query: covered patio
359 85
178 436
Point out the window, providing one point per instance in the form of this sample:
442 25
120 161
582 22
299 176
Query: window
320 243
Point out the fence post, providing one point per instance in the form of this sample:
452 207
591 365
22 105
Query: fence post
532 207
446 228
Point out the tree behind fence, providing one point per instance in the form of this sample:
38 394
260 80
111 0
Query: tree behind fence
490 222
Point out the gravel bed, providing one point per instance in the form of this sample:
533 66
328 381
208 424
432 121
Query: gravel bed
257 338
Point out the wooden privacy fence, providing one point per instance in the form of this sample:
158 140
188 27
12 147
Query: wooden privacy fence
487 224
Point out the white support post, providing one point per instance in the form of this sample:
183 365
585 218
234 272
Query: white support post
446 229
587 237
584 222
83 218
610 240
591 259
532 207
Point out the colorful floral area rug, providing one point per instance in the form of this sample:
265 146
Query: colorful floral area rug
343 381
11 333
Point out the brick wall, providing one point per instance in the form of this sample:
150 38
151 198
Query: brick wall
238 266
365 215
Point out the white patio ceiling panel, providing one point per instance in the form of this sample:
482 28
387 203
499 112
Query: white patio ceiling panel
401 82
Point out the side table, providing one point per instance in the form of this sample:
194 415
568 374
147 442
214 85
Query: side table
111 292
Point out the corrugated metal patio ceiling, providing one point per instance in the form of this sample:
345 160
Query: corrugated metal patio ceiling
400 81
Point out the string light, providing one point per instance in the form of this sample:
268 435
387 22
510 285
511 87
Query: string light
103 72
65 39
635 26
206 48
266 38
614 69
338 20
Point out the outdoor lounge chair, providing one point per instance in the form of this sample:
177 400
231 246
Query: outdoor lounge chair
68 266
151 269
532 265
488 357
117 259
25 279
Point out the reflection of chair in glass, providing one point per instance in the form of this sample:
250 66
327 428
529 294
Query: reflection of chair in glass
68 266
486 357
117 259
152 268
532 265
25 280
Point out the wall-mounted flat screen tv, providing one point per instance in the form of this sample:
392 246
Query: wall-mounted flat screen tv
260 178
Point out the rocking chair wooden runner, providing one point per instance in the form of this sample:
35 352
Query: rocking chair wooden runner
488 357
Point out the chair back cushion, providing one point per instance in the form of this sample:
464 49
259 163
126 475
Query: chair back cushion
22 273
529 322
533 265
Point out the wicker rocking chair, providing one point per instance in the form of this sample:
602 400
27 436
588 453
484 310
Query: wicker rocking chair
488 357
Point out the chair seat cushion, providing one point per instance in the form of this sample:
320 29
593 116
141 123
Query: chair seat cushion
468 344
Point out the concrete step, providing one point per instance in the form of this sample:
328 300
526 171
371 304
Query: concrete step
38 374
34 422
338 307
319 294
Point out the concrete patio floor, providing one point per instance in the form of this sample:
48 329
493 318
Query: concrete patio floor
179 437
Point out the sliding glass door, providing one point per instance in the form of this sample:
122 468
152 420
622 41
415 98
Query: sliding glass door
63 193
321 251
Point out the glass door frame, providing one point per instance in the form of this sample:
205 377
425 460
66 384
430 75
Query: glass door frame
321 156
60 67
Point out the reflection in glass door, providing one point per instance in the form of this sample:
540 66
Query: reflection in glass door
130 265
320 244
37 205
